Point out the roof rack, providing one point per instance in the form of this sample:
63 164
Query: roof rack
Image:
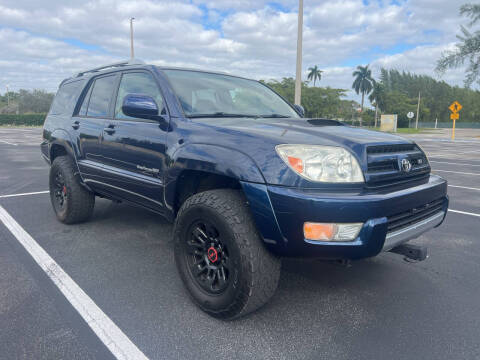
118 64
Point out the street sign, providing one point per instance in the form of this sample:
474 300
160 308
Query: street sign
410 115
455 107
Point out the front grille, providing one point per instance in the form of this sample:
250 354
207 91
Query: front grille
384 164
395 148
412 216
387 165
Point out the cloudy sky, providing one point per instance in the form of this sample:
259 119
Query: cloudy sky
42 42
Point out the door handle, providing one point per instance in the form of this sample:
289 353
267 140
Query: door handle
110 129
76 124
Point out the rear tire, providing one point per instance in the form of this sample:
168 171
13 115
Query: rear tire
220 256
71 202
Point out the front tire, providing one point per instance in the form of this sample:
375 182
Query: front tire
71 202
220 256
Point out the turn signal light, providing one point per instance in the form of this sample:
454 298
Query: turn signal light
296 164
316 231
331 231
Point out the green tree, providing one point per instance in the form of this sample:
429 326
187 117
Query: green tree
317 101
377 98
363 82
399 103
467 50
436 95
26 101
36 101
314 73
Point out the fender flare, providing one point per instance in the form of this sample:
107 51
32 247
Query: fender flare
209 158
63 138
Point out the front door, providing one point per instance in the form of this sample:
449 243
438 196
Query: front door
133 150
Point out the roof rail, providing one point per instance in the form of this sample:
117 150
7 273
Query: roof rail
118 64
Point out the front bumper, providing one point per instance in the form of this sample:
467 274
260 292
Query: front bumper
280 213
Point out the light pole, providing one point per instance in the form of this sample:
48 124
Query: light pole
418 111
8 97
298 79
132 53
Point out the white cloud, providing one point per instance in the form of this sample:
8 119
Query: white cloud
41 41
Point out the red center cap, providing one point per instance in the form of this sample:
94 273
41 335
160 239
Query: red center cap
212 254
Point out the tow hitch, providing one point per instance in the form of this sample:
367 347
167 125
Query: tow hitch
411 252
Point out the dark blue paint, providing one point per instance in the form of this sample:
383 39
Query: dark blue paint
141 160
139 106
293 207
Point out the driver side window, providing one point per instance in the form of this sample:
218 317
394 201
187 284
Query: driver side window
137 83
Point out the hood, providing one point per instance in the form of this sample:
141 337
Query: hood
305 131
257 138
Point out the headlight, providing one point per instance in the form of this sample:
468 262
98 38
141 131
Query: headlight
321 163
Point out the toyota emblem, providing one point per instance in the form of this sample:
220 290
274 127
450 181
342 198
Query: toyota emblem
406 165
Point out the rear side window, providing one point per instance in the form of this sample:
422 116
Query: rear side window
101 95
66 98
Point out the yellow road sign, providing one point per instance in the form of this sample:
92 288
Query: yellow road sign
454 116
455 107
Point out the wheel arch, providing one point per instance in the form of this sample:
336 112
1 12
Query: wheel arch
61 144
200 167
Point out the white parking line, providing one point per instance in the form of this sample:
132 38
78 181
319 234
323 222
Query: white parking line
107 331
24 194
9 143
452 163
464 187
463 212
468 152
457 172
446 156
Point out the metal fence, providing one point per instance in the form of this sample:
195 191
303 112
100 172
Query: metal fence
447 125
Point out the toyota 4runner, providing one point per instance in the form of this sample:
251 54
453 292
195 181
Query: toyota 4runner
243 175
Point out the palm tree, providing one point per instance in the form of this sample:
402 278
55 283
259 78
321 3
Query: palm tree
377 97
363 82
314 73
467 49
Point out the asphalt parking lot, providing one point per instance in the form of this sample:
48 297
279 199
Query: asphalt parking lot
123 260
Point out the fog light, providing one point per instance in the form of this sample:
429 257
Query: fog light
331 231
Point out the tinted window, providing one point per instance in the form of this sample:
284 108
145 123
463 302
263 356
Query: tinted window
66 98
137 83
101 96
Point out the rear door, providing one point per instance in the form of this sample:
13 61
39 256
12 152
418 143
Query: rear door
133 149
96 109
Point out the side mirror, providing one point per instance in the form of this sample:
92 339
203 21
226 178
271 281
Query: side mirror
300 110
139 106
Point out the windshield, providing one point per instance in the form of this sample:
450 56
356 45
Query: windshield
205 94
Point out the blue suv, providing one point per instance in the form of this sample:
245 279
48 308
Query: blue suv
243 175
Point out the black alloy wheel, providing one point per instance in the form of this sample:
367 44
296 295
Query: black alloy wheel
207 257
60 191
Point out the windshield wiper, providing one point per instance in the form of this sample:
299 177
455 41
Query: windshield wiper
274 116
219 114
